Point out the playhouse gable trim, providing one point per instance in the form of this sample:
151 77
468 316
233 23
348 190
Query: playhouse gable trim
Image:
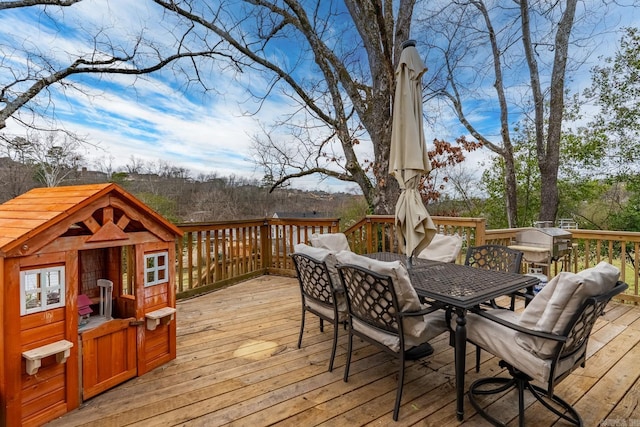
38 217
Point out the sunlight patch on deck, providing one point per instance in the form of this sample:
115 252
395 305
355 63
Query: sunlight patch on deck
257 349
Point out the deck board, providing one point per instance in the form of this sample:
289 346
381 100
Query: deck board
238 364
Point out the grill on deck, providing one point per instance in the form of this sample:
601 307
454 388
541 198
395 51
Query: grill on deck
543 245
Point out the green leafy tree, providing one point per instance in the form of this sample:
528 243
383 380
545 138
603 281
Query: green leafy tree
583 198
627 217
527 188
613 135
608 148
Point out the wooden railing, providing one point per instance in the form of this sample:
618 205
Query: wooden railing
376 233
214 255
620 248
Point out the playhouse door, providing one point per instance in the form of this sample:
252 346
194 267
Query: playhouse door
108 356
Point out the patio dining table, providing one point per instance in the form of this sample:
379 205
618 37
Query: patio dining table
460 288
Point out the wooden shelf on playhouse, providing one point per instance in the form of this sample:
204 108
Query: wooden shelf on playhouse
62 350
163 315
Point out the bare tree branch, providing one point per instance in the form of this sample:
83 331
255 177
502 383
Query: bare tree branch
25 3
485 47
348 94
83 66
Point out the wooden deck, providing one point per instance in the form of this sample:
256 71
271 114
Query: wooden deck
238 364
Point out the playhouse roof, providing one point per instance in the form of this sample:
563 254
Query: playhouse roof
39 209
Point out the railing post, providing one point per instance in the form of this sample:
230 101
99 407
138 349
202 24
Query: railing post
180 256
265 238
369 238
481 237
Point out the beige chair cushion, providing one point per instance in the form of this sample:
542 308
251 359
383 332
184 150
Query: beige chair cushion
554 306
499 340
321 254
407 297
329 258
445 248
419 329
434 325
333 241
328 312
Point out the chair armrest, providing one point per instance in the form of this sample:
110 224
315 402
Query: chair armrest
506 323
430 309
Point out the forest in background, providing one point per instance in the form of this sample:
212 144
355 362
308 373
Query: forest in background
180 198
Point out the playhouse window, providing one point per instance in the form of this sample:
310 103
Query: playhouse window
155 268
41 289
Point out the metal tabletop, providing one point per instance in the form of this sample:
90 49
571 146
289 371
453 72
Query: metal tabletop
458 285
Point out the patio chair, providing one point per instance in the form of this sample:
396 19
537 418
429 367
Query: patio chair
384 310
321 294
443 247
332 241
495 258
546 342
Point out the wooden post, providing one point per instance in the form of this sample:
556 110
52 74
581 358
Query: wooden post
265 238
481 237
12 379
180 272
72 369
369 236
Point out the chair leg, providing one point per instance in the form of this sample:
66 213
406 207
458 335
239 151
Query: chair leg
562 409
349 346
321 325
396 408
301 327
570 413
521 386
335 345
478 350
476 389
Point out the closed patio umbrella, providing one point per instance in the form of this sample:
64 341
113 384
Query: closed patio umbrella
408 157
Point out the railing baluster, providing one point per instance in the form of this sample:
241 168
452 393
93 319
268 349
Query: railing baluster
209 275
190 259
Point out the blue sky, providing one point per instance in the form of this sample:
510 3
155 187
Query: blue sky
156 120
153 120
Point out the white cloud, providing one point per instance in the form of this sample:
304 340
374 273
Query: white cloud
203 132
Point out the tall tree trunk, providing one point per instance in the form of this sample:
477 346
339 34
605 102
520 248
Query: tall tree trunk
548 149
383 43
511 185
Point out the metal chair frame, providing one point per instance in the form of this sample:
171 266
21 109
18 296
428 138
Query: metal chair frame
316 285
495 258
372 300
573 341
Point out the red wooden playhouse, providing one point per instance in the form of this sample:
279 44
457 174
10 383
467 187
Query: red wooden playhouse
87 300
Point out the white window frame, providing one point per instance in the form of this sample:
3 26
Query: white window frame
156 268
43 286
